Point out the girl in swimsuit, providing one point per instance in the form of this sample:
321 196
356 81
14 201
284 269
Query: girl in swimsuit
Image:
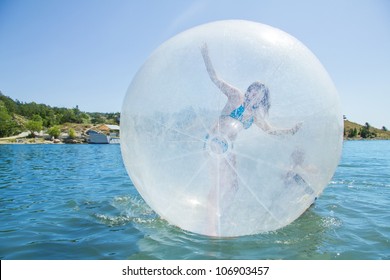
242 109
240 112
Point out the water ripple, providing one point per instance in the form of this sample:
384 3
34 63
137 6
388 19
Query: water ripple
77 202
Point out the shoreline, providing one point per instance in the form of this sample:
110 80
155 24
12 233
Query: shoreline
39 141
32 141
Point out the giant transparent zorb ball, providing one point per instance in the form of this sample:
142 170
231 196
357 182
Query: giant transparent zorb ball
205 180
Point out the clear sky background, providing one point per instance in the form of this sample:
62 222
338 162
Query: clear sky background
73 52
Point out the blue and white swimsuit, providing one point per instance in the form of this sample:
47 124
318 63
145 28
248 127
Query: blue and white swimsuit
238 115
220 144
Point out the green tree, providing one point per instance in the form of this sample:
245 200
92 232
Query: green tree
366 133
9 104
7 124
34 125
72 133
54 131
37 118
70 116
384 128
98 119
352 132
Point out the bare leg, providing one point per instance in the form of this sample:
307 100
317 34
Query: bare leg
222 191
213 197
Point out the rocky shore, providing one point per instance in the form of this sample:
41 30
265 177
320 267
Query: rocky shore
69 134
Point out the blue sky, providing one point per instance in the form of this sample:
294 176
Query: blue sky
85 53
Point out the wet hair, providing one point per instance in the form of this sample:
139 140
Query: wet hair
265 101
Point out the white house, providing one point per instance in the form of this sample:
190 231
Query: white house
104 134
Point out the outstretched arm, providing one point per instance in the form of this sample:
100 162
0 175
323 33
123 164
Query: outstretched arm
226 88
265 126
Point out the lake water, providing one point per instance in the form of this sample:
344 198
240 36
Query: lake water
77 202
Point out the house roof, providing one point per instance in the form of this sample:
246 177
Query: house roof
113 126
107 127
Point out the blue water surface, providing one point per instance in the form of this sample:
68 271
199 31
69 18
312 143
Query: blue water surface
77 202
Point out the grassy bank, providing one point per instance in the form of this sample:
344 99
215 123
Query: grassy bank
355 131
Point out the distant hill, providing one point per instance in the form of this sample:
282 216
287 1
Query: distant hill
17 117
355 131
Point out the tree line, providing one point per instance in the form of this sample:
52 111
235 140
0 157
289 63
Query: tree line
16 116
